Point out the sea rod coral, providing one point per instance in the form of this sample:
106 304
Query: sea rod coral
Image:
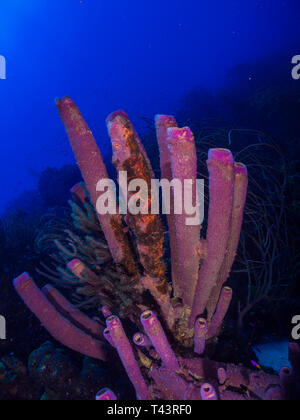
173 318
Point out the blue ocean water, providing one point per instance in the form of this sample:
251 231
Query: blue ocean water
138 56
273 354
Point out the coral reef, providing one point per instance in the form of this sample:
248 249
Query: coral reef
52 374
171 319
15 383
58 378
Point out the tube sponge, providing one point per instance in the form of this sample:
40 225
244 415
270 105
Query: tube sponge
159 340
129 156
71 312
106 394
108 338
162 123
208 393
127 356
55 323
294 357
80 193
201 329
93 169
222 308
141 340
183 157
221 189
239 200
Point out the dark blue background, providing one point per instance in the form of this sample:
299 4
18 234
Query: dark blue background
141 56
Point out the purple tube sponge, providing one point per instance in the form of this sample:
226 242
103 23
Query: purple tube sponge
106 394
162 123
201 329
294 356
141 340
78 268
130 157
55 323
106 312
239 200
80 194
172 385
137 277
121 117
222 308
93 169
208 393
159 340
288 383
127 356
108 338
71 312
183 157
84 273
273 394
221 189
222 376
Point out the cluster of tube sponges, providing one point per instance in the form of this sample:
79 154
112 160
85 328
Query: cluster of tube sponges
155 337
194 306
